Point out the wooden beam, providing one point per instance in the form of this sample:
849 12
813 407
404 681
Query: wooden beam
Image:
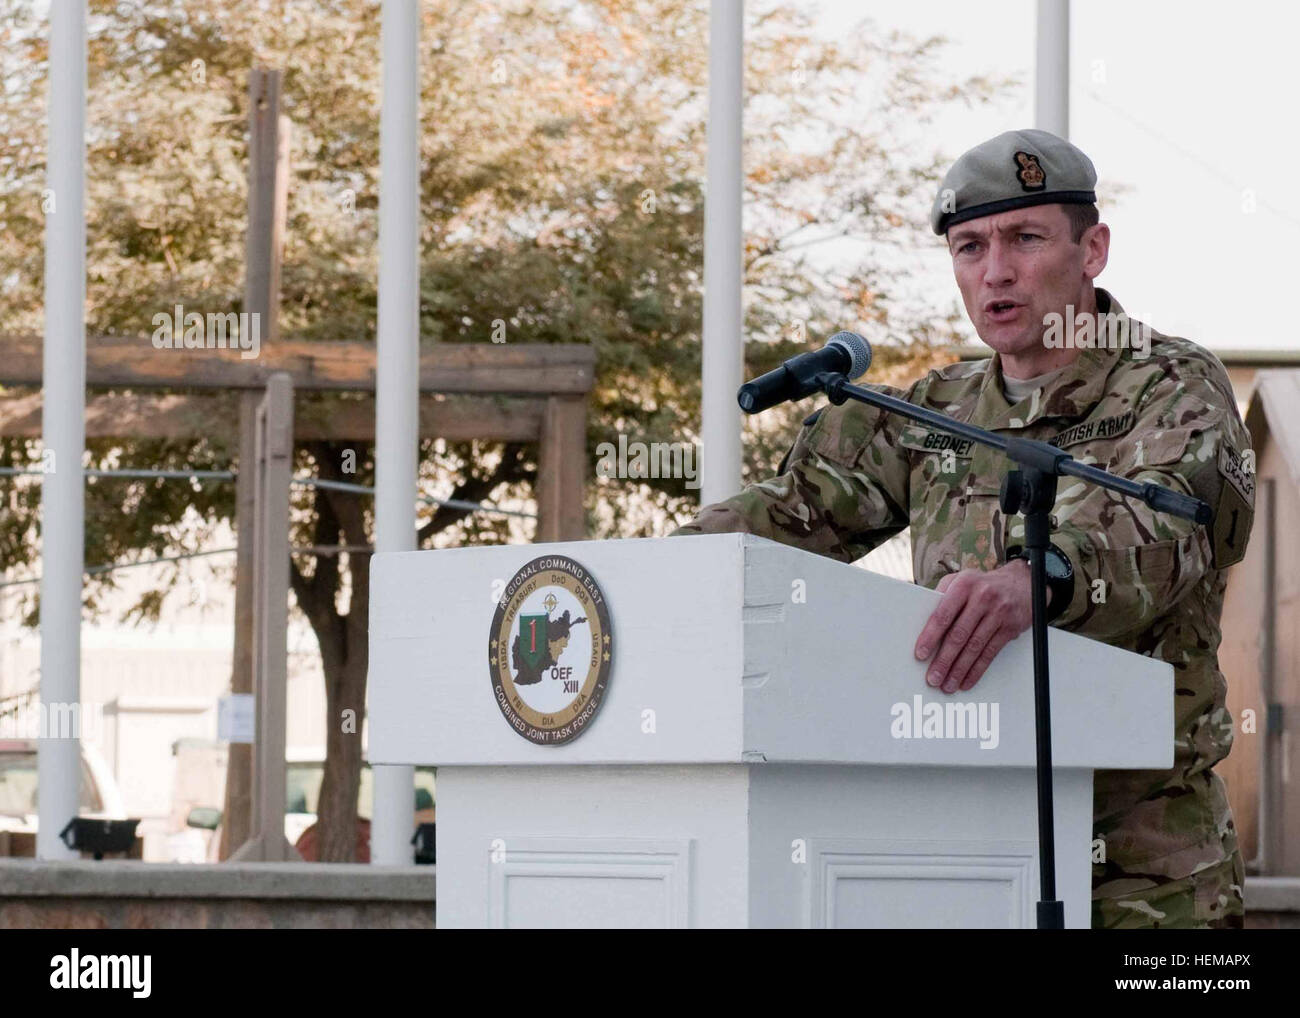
317 416
126 415
562 471
454 418
133 362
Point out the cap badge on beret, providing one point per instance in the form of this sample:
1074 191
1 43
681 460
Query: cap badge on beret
1015 170
1030 174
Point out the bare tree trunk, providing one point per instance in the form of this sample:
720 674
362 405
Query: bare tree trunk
336 809
345 639
345 695
336 812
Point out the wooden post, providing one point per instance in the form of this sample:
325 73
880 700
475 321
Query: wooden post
236 824
561 470
268 187
273 474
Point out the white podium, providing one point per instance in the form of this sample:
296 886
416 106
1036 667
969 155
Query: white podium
765 751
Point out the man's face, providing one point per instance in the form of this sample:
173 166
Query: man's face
1016 268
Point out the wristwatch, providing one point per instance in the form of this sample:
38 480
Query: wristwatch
1060 576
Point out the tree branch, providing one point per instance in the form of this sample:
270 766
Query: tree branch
475 489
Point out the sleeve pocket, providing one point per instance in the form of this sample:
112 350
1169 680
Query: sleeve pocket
1152 449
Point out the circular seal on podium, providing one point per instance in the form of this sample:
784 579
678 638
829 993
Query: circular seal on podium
550 650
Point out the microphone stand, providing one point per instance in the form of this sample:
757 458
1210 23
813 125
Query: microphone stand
1029 490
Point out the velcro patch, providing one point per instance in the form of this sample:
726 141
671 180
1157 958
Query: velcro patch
1238 471
1232 519
1236 509
1104 427
925 440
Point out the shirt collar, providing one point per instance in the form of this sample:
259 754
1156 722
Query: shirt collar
1075 391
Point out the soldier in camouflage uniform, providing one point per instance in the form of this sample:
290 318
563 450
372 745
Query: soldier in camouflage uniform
1139 404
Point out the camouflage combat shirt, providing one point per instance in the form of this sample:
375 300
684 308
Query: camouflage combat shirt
1145 582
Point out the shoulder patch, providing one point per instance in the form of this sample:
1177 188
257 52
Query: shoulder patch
1237 471
1235 511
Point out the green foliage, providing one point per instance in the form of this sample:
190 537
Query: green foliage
561 194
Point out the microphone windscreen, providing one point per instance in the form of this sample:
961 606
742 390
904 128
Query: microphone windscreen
858 349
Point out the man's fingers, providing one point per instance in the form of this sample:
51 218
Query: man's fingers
1000 639
984 632
954 600
955 640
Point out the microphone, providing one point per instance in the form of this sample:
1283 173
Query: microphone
846 353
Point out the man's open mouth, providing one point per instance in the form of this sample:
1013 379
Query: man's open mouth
1000 306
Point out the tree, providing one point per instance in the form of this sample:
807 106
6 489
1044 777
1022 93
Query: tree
561 200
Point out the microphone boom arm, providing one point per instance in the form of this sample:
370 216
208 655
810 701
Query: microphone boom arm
1026 452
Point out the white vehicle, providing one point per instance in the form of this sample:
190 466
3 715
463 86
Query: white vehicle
304 769
100 796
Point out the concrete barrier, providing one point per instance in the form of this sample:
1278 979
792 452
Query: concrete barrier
133 895
115 894
1272 903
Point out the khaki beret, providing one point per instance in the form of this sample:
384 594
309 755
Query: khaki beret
1012 171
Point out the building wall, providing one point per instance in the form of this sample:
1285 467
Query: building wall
149 686
1241 659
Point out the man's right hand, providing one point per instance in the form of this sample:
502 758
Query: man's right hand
981 612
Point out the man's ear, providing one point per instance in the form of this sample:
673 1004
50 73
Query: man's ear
1096 249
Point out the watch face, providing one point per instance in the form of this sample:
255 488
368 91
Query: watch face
1058 566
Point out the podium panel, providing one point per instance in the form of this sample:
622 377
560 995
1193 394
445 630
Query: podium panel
763 752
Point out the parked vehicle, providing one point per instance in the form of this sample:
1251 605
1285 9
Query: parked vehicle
305 769
100 796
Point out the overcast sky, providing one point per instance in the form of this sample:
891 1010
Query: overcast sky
1187 104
